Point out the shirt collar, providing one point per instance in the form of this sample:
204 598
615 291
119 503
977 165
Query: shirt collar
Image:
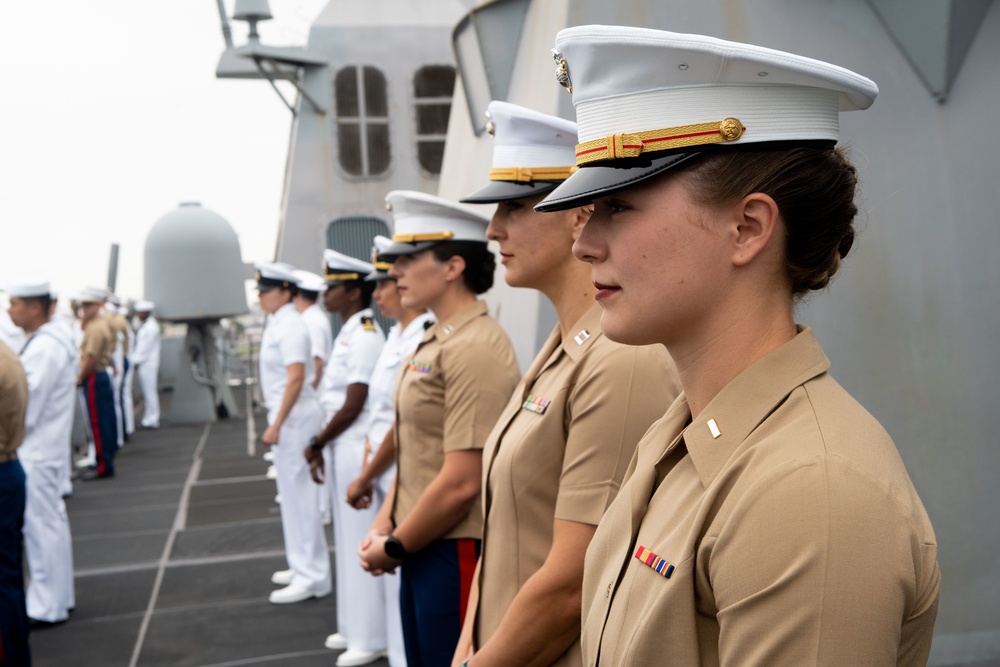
444 330
584 333
748 399
284 312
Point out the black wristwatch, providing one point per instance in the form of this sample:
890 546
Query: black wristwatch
316 445
395 549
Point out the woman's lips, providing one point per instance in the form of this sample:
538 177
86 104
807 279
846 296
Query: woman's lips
605 291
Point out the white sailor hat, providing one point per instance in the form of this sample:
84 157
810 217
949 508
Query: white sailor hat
340 268
532 153
92 295
309 281
54 295
113 299
423 221
647 100
144 306
274 274
29 289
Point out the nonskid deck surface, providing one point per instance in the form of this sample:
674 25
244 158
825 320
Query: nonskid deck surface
173 559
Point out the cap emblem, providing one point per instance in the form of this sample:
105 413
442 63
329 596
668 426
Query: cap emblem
562 70
491 127
626 145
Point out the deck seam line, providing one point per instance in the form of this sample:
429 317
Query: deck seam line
179 521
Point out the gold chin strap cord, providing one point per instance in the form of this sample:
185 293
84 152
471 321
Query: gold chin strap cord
418 238
342 276
626 145
528 174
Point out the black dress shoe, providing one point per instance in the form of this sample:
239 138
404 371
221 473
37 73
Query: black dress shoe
36 624
92 474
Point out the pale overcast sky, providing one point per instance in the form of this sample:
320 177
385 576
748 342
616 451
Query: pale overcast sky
112 116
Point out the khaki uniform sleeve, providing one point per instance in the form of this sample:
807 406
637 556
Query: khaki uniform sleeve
816 566
478 380
614 402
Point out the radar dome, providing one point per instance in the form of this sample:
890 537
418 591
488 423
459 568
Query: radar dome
193 267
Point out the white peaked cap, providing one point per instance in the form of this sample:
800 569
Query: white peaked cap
338 267
532 153
144 306
309 281
92 295
648 99
275 274
29 288
123 310
379 265
423 220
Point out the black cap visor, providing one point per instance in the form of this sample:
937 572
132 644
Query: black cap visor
588 183
495 192
396 249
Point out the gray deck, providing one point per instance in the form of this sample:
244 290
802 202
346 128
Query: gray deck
173 560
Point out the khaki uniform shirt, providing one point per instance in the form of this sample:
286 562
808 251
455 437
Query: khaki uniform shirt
120 326
560 450
13 403
777 528
99 340
448 397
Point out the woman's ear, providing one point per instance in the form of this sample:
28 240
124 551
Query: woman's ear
755 219
454 268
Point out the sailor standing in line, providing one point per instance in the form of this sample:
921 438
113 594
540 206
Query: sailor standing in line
13 407
767 518
119 360
146 359
310 287
371 487
66 326
557 455
49 361
293 415
447 398
94 380
128 374
344 397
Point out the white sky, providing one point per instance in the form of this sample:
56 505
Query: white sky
112 115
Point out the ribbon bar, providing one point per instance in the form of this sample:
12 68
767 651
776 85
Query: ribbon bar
528 174
626 145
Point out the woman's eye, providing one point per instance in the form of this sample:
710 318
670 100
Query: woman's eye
612 206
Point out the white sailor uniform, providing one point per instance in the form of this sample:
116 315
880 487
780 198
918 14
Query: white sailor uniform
399 345
49 361
360 613
146 359
321 337
286 341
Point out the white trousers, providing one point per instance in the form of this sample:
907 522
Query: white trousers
390 583
128 403
301 524
147 380
360 596
48 545
116 389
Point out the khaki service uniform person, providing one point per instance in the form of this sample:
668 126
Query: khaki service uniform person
557 455
448 397
13 408
767 519
96 386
